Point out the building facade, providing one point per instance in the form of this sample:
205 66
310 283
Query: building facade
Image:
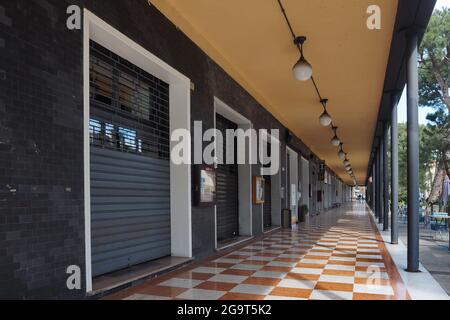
85 123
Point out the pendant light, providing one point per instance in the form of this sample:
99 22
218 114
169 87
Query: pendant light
325 118
341 152
335 141
302 69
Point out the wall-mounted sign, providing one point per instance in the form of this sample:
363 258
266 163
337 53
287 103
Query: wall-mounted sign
205 186
258 190
321 171
294 195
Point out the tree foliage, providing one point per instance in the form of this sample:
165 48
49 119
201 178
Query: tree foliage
435 62
426 159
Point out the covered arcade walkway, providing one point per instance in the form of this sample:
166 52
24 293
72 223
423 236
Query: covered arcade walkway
337 255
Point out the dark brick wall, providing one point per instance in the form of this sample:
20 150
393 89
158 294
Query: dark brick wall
41 145
41 150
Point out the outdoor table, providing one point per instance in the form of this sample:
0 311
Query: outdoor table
439 217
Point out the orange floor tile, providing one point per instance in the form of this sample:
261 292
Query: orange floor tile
338 255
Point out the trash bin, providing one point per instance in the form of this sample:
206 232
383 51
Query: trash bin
302 213
286 221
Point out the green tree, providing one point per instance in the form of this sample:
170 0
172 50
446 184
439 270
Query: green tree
437 145
434 77
424 164
435 62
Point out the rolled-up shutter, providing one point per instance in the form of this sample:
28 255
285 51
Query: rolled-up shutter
267 207
130 209
227 191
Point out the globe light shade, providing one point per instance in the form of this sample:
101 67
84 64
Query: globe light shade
342 155
325 119
346 163
302 70
335 141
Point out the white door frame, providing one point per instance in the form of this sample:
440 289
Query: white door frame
180 192
275 189
305 182
293 173
244 172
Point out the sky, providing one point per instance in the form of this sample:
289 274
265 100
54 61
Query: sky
423 112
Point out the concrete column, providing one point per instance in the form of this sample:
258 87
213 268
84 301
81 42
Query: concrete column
394 175
413 153
381 183
385 179
377 182
373 186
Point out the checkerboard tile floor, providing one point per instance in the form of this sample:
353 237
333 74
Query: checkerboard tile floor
337 255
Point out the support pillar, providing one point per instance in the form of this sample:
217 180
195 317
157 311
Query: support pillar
385 179
373 186
394 175
413 153
377 182
381 183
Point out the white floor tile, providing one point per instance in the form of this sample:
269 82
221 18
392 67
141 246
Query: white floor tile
247 267
253 289
331 295
368 245
337 279
363 274
228 260
243 253
339 267
368 256
373 289
181 283
349 259
282 264
360 250
273 251
314 261
320 254
307 271
370 264
259 258
228 278
269 274
291 256
208 270
200 294
297 284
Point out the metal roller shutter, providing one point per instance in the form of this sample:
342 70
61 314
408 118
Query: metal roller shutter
267 207
227 191
130 168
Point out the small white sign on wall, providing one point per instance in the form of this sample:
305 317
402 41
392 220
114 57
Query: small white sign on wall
294 195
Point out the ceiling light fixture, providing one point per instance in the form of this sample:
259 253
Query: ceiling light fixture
341 152
325 118
335 141
302 69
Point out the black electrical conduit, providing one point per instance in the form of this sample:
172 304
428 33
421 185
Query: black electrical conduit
322 100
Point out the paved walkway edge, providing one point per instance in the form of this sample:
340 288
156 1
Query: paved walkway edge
421 286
